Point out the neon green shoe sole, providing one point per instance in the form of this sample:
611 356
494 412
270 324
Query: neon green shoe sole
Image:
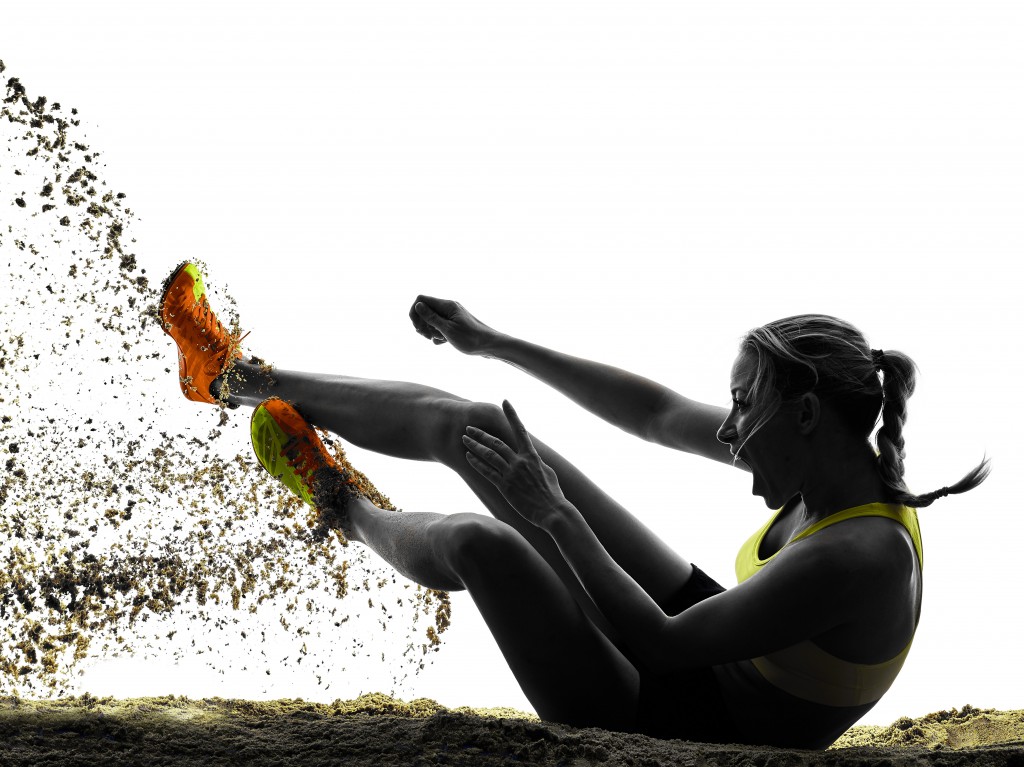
287 447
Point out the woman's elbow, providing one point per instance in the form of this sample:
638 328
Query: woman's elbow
657 651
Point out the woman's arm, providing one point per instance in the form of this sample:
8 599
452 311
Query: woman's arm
778 608
623 399
637 405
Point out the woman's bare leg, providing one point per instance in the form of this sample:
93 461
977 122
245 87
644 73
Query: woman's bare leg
418 422
567 668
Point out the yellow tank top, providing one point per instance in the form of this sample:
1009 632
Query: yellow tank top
804 669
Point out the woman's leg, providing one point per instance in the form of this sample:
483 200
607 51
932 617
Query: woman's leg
417 422
567 668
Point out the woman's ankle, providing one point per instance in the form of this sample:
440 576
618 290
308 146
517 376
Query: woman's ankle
335 500
357 513
245 382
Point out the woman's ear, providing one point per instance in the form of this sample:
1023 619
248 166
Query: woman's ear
808 412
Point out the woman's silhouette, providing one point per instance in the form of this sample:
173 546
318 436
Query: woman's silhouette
600 621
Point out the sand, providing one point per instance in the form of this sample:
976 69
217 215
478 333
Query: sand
378 730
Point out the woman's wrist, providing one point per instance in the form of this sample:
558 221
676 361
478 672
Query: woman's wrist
498 347
561 519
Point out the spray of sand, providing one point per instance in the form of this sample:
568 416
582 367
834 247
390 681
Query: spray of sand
119 533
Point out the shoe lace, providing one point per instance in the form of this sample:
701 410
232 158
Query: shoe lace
207 321
216 333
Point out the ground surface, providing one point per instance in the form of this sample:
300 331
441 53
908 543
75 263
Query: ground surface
380 731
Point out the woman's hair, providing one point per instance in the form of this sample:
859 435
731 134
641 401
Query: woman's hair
825 355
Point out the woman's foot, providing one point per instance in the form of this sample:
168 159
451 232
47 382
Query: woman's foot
288 447
206 349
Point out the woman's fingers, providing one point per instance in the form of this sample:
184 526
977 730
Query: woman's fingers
435 324
495 444
417 322
484 469
519 432
491 455
427 321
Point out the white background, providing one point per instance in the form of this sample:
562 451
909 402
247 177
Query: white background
637 183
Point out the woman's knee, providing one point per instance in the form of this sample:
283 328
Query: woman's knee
473 543
482 415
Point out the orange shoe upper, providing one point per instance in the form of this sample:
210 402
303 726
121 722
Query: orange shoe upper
205 347
304 450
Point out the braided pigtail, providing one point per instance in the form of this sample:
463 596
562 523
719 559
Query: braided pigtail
898 379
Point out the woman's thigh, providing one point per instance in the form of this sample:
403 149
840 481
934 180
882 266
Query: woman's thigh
686 704
568 669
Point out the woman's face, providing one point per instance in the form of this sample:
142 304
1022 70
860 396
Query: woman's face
774 452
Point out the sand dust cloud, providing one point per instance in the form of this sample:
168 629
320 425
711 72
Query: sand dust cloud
121 532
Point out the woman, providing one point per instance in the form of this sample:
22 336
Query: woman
601 623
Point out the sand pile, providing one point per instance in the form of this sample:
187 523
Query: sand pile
379 731
121 531
967 727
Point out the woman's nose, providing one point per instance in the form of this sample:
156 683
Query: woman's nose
727 433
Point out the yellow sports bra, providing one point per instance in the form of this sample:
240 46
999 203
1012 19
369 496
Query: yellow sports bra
804 669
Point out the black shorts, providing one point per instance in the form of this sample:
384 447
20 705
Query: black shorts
687 705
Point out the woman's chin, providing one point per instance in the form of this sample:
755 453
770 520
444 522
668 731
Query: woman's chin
757 489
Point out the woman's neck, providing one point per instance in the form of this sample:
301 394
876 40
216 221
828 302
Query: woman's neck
843 479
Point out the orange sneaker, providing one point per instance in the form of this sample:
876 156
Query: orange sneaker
205 347
289 448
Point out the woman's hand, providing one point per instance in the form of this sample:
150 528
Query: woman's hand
526 482
444 321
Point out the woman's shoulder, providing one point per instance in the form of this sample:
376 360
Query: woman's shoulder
876 573
870 552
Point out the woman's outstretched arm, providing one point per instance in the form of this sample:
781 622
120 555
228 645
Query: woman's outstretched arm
637 405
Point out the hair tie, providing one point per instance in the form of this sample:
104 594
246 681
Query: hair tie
942 493
877 355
